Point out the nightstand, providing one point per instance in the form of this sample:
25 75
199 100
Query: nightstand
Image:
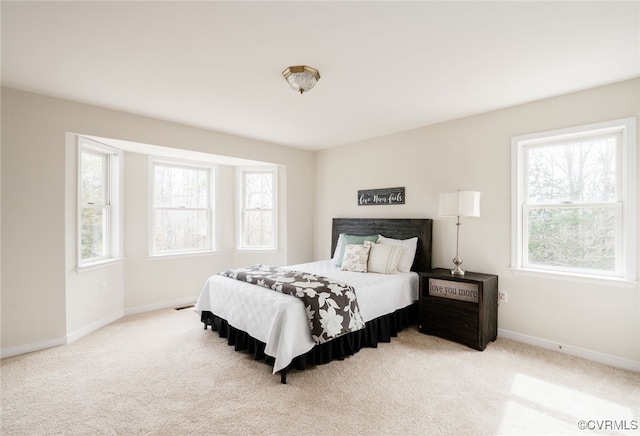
463 309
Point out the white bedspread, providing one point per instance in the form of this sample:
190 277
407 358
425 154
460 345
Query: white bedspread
279 320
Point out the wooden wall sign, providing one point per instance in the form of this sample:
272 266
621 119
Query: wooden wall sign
373 197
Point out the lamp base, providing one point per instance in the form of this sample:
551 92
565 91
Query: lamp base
457 271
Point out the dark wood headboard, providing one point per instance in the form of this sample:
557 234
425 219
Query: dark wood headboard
396 228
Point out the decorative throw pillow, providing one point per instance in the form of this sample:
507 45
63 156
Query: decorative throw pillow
352 239
384 258
410 246
356 256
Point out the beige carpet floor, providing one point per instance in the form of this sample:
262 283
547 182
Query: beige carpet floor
161 373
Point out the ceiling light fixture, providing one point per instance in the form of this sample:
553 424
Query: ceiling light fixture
301 78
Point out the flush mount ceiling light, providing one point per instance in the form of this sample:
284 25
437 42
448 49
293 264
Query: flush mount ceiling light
301 78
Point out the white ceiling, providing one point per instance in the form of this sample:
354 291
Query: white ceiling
385 66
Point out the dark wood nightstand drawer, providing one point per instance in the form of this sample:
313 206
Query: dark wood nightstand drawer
445 320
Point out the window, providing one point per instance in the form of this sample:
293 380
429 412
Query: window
574 201
258 205
98 188
181 207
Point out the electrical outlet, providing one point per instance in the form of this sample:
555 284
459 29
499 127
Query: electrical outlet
103 288
503 297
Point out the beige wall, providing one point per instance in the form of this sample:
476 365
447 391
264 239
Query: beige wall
33 229
45 301
475 154
150 281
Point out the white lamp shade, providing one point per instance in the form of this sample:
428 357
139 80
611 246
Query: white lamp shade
460 203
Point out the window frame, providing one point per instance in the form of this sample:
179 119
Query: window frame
212 174
624 203
241 172
111 201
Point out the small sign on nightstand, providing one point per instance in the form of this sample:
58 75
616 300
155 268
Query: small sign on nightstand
453 290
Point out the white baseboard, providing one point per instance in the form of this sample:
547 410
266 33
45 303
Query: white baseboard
93 327
29 348
182 302
607 359
37 346
43 345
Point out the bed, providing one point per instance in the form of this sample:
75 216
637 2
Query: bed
274 326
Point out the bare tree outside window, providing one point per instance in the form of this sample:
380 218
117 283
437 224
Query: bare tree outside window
258 209
93 195
97 192
574 204
181 208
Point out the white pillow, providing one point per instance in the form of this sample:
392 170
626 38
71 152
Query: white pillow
338 249
356 257
384 258
410 246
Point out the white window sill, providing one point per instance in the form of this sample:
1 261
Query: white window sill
184 254
257 250
99 264
603 281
